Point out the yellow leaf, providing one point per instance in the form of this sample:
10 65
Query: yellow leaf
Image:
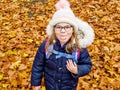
12 52
110 79
25 55
29 40
37 42
23 74
118 9
15 64
104 19
12 34
1 77
43 88
5 85
14 83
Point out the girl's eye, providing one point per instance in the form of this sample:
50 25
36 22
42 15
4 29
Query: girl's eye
58 27
67 27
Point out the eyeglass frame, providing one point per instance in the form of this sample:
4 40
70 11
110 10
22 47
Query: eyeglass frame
64 27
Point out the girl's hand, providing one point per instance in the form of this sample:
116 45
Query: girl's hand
72 67
37 88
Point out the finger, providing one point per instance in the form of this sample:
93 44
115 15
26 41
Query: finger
74 64
68 67
68 64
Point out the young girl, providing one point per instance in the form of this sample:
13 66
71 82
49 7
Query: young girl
62 58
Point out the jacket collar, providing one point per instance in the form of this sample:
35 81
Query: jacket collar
58 45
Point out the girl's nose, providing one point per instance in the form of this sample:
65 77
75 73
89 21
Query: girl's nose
63 30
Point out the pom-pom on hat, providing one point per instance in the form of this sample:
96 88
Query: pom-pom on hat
64 14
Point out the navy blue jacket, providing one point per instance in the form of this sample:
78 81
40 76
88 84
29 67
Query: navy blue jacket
56 75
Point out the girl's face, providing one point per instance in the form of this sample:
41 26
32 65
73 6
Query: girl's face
63 32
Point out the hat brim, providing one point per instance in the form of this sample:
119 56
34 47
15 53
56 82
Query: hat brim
52 23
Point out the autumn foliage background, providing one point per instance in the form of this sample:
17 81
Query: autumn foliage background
22 29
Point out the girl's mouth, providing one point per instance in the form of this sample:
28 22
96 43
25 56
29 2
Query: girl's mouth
63 37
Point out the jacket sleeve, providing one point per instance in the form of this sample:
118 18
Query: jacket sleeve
84 64
38 66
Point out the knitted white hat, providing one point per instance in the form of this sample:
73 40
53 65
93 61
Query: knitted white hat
65 14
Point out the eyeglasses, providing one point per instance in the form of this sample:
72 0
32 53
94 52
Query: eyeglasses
66 28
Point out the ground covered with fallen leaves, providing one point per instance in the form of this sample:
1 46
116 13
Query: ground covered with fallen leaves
22 29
